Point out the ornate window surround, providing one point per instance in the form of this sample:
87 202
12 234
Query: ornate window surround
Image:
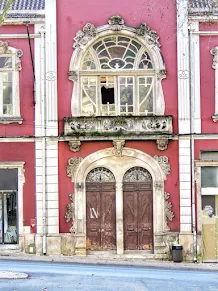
143 34
15 54
130 158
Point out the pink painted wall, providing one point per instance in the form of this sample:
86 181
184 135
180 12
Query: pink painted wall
26 84
23 152
72 16
207 78
66 186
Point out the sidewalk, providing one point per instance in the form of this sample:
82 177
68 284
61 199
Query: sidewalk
112 261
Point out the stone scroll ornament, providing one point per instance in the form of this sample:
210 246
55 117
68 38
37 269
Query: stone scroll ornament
70 214
163 162
72 167
168 209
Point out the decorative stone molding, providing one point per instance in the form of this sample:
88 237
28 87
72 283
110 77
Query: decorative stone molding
5 49
162 74
162 143
116 23
145 31
70 214
168 206
73 165
163 162
158 185
138 125
214 53
118 147
74 145
73 76
85 35
21 175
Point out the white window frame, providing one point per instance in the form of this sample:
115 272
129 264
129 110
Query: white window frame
15 54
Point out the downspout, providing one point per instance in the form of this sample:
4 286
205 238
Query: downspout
43 127
192 150
33 67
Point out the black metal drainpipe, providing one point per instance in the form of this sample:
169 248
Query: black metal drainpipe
33 66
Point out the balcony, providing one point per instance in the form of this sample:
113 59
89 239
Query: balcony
128 127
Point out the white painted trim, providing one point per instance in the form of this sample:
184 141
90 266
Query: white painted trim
119 166
103 31
195 76
21 35
209 191
183 67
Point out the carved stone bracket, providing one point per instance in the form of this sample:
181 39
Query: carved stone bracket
162 74
163 162
72 167
70 213
85 35
145 31
73 76
116 22
168 212
162 144
118 147
74 145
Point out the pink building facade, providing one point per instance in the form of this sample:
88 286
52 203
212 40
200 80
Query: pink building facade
108 128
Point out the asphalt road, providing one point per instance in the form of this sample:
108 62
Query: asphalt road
45 276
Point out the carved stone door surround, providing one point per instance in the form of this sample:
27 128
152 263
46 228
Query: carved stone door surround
158 167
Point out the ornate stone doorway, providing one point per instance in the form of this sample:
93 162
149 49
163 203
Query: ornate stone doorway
138 209
100 210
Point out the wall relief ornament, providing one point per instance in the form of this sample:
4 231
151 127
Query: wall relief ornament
116 22
74 145
85 35
214 53
145 31
118 147
162 74
70 213
168 212
163 162
72 167
162 143
4 49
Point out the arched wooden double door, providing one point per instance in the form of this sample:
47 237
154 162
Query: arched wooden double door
100 210
138 209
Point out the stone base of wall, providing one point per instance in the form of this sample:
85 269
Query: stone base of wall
68 244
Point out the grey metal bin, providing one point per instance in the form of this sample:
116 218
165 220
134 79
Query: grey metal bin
177 253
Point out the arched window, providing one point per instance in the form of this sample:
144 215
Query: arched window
117 70
10 65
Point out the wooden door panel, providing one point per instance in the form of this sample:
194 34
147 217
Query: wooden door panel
101 216
130 219
93 219
145 225
108 222
138 215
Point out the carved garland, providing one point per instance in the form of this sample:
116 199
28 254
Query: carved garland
168 212
163 162
70 213
72 167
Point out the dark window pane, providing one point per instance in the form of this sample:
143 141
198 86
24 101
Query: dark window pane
209 177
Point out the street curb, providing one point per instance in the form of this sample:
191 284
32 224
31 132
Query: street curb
114 262
12 275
